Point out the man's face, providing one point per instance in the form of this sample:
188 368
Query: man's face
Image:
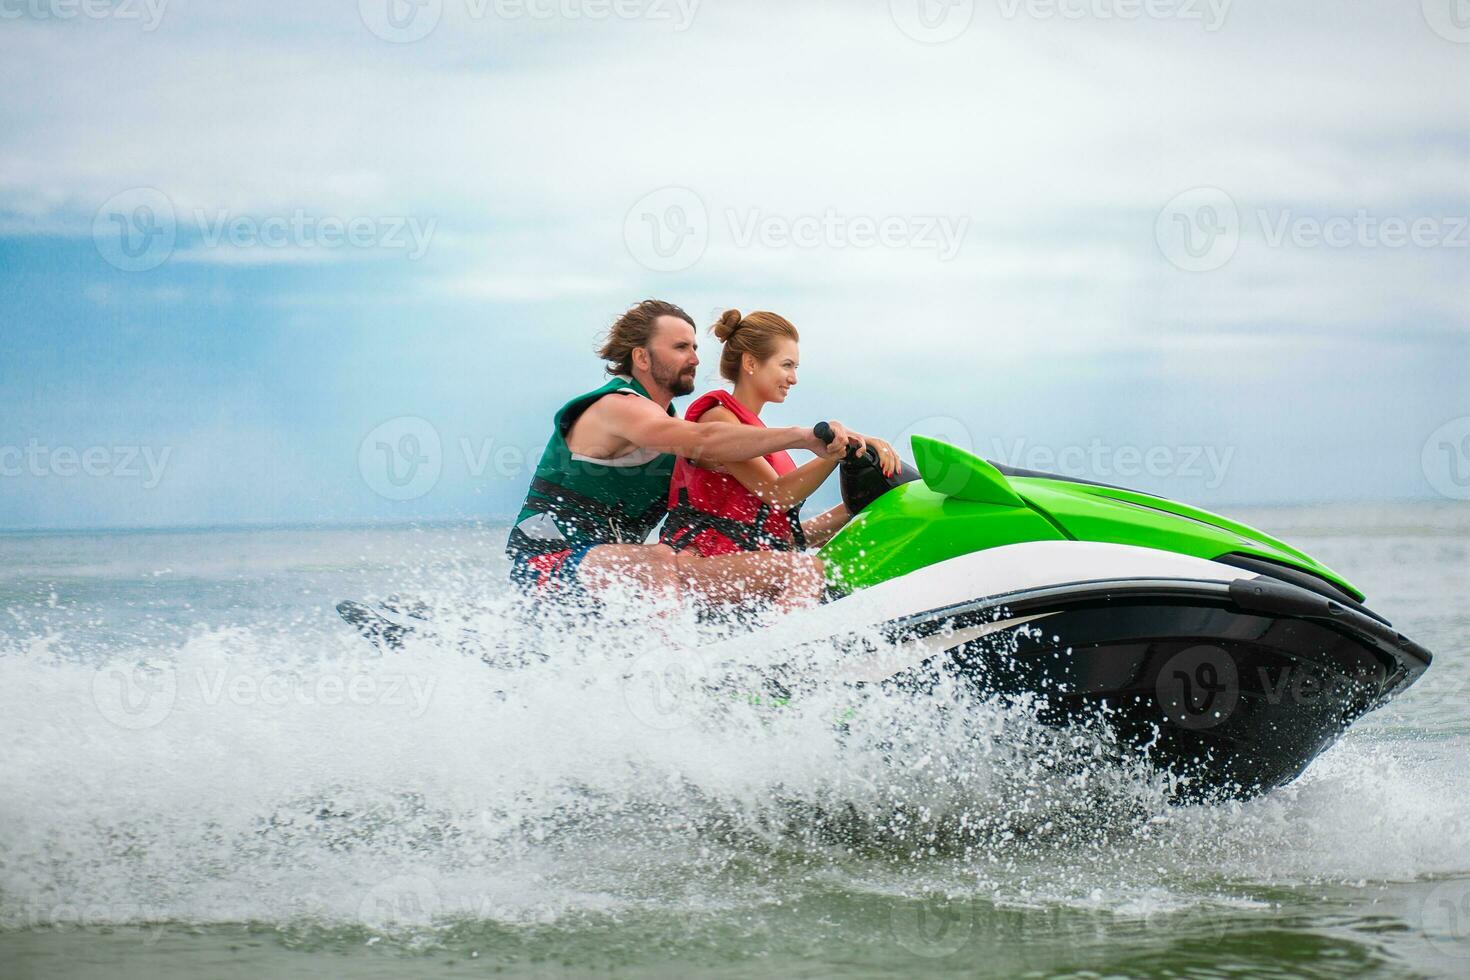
672 357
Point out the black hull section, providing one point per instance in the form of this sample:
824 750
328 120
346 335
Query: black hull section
1234 689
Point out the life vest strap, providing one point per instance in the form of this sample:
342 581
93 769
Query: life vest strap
686 522
591 517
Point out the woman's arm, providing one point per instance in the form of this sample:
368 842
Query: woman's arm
819 530
758 476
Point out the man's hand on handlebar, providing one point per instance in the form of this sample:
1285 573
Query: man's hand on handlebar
838 443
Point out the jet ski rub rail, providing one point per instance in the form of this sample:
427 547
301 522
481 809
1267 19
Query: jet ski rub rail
1261 595
1277 598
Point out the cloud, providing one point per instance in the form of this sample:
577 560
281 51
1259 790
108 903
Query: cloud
1054 144
1057 141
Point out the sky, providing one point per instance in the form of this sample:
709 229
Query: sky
268 262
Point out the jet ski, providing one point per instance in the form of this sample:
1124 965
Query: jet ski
1215 652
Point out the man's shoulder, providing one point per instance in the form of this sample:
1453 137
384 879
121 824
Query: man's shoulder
608 414
635 403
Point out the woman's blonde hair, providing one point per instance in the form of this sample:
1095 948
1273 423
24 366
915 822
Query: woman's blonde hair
756 335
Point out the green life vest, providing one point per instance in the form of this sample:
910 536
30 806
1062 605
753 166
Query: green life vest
577 500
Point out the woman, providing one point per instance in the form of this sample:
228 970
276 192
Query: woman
752 505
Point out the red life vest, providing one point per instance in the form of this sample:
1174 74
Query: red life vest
713 513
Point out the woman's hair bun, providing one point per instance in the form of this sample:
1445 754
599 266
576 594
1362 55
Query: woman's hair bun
729 323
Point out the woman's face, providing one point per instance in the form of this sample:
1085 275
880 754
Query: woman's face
774 376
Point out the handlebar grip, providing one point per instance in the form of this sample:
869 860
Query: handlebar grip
823 431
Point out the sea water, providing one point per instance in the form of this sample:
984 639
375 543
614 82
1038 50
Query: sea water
204 772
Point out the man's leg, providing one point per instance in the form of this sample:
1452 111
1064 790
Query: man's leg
787 578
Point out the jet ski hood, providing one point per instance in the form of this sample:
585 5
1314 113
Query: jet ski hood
961 503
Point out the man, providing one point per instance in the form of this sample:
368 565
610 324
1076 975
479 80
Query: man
603 481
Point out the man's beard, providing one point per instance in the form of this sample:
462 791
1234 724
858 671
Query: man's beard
671 378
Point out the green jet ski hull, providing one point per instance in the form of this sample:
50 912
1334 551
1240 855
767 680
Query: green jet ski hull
1216 652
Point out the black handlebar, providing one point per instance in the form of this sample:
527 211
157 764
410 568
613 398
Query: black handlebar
863 480
823 431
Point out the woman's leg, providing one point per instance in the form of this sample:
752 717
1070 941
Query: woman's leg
786 578
789 579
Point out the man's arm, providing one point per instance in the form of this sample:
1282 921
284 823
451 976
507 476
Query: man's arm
642 423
